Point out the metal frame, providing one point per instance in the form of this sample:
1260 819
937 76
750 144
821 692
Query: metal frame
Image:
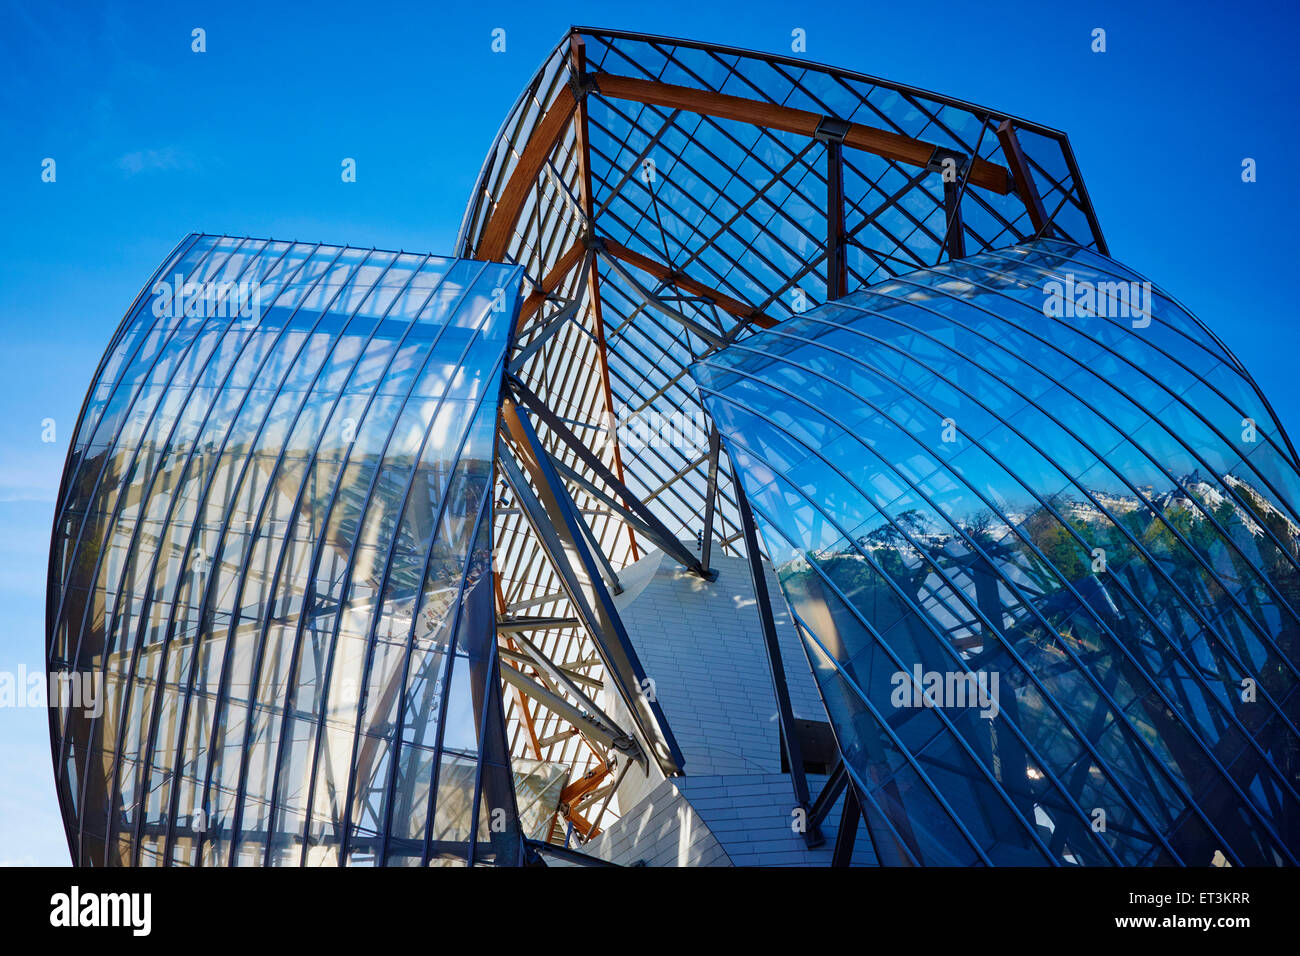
665 200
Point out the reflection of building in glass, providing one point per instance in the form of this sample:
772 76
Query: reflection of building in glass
401 560
1097 532
273 546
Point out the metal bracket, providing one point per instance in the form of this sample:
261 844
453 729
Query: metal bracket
941 154
831 129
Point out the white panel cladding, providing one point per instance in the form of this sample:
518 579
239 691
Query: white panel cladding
701 644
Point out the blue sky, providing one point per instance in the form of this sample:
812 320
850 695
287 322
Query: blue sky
153 141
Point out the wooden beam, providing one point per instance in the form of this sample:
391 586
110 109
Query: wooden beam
500 226
1025 187
890 145
741 310
550 282
578 65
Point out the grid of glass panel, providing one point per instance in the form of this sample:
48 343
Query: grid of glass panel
1039 530
273 550
740 208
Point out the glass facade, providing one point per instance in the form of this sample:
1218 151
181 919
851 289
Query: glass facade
273 549
341 531
1039 531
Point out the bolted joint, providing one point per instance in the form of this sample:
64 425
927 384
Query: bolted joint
580 84
940 157
830 129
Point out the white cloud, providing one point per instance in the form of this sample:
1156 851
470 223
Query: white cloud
167 159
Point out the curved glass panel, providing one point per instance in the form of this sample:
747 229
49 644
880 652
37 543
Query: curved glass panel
271 564
1040 532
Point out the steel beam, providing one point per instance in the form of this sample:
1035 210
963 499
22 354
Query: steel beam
557 678
829 794
538 849
955 237
712 336
652 526
848 832
607 735
789 735
551 516
836 260
548 328
710 499
550 282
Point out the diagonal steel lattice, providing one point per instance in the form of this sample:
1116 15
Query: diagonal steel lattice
666 198
389 631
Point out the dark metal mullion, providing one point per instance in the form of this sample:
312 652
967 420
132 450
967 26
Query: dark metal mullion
714 274
652 299
930 625
668 338
590 487
322 312
1224 354
891 200
111 445
594 150
1005 225
133 562
622 663
776 669
902 244
380 600
777 208
708 211
260 652
616 190
1141 669
881 723
346 580
538 515
85 426
1193 667
263 631
395 757
150 576
847 834
953 734
1044 270
979 615
593 462
540 335
144 770
1268 585
435 772
830 792
650 449
952 198
118 505
710 495
184 706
